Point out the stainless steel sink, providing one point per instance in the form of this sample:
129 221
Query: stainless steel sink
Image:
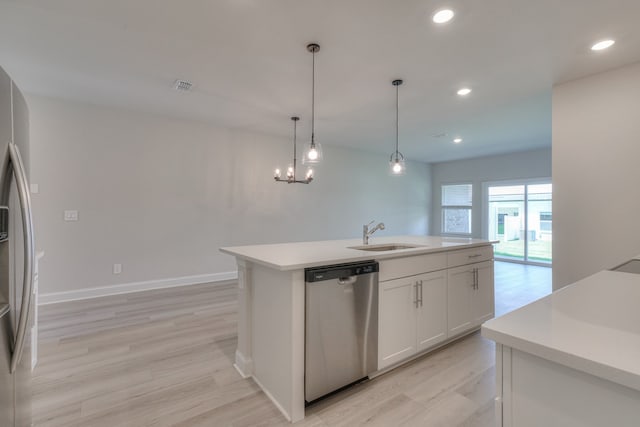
386 247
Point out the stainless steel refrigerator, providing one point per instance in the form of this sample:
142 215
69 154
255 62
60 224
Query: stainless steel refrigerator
16 258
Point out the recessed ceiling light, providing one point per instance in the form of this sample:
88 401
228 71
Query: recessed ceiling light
443 16
464 91
457 140
603 44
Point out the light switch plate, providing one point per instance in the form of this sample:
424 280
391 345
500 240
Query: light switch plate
70 215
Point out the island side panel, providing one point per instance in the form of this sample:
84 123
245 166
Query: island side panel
244 357
544 393
278 337
498 401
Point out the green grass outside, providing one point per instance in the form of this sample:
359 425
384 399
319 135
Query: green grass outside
539 250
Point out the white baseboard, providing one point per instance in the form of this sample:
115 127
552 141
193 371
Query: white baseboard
244 365
125 288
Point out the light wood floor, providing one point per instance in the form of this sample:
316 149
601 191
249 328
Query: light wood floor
164 358
517 285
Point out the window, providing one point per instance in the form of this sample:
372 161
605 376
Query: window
456 209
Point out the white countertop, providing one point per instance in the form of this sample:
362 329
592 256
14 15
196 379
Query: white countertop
592 325
293 256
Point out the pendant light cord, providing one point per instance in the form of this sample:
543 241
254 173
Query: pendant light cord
313 96
397 108
295 123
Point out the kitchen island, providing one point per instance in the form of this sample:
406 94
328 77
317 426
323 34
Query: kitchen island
271 303
572 358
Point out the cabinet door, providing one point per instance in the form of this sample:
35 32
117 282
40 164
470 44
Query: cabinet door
460 290
483 302
397 321
432 310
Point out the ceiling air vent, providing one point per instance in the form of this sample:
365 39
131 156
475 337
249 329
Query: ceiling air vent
182 85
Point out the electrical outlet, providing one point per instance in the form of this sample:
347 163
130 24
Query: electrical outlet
117 268
70 215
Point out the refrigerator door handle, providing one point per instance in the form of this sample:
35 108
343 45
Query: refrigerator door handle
29 251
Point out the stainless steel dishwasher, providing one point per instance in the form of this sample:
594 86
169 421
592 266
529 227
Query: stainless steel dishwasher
341 329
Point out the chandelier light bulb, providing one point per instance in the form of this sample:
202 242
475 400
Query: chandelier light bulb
309 173
290 172
277 173
397 167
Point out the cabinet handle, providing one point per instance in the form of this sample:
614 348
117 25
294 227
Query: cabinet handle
420 282
416 300
475 256
475 274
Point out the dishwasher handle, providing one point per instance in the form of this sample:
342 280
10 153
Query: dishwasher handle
347 280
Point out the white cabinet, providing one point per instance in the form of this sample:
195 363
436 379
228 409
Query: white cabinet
432 310
397 321
460 289
425 300
470 296
412 316
483 299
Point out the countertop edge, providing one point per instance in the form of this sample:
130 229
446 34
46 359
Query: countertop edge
572 361
359 255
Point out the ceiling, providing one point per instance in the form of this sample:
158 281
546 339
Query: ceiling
250 68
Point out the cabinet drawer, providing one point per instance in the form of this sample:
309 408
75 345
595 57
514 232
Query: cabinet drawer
412 265
468 256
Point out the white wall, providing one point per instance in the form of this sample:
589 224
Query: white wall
596 173
161 195
506 167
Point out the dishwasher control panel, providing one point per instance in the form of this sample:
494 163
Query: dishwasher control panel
329 272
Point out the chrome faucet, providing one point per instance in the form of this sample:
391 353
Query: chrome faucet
366 232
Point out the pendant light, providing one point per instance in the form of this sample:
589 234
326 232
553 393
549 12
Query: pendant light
396 160
291 169
313 154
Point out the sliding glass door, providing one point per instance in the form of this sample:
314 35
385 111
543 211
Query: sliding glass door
519 217
539 223
506 220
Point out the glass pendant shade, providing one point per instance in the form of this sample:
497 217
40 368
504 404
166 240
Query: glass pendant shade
313 154
396 164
